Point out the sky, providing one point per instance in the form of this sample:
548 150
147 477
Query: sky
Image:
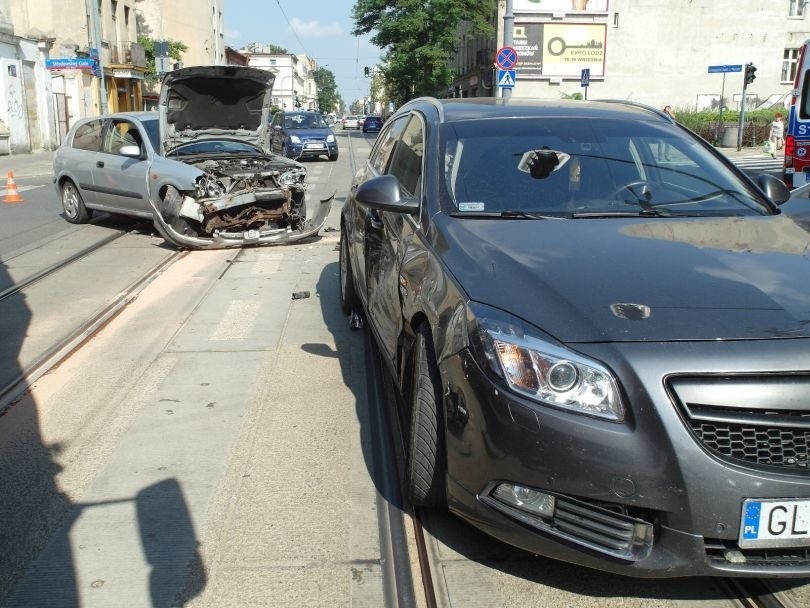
320 29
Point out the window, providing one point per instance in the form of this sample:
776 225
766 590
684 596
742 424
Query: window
126 16
796 8
789 64
594 166
121 133
88 136
114 9
379 156
406 159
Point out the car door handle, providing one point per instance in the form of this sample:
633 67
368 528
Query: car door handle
99 163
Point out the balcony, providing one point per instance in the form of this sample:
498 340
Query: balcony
132 54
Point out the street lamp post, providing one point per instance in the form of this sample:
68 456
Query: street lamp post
282 93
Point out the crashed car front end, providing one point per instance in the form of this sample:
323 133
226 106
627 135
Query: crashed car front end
215 184
234 201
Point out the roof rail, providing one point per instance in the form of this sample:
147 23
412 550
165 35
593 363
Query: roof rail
638 104
432 101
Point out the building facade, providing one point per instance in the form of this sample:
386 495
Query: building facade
61 60
294 86
199 24
643 50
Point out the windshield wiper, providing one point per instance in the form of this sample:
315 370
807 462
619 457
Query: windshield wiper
647 212
507 213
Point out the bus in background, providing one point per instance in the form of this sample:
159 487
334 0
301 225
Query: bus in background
797 135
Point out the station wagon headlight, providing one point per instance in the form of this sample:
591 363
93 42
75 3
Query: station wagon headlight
294 139
330 138
540 369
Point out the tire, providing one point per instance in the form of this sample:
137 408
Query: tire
333 157
73 204
349 301
426 466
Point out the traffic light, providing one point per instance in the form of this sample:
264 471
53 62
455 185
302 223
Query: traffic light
750 73
366 71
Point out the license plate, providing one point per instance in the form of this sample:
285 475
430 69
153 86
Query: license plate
310 146
775 523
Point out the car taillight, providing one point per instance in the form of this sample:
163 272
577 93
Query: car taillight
790 152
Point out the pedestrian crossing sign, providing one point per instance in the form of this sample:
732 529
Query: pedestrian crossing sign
506 79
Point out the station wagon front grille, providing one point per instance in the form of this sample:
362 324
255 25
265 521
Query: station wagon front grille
757 420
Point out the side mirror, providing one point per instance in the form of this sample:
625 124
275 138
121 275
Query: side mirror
774 188
383 193
130 150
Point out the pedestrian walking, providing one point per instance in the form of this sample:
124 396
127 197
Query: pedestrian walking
777 135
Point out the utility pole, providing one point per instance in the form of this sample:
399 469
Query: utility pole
508 36
95 36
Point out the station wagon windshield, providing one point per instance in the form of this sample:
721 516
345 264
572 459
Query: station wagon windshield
574 167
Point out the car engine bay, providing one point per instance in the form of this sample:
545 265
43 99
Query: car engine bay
239 194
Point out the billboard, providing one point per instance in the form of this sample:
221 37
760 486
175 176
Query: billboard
560 49
560 6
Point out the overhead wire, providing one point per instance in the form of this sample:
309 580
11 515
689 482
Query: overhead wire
281 8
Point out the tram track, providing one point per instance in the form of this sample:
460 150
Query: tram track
754 593
12 389
41 274
400 587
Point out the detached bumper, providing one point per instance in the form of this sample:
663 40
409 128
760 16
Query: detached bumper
235 239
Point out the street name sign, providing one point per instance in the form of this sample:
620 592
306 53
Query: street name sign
721 69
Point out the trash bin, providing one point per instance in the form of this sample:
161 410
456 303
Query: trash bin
730 135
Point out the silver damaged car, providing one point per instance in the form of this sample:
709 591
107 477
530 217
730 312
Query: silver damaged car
199 168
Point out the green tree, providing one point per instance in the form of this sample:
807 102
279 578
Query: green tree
328 97
419 37
176 50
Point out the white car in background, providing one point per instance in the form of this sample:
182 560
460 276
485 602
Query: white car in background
351 122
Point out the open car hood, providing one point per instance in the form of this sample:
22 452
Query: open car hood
214 101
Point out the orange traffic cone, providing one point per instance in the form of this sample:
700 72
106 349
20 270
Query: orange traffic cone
12 194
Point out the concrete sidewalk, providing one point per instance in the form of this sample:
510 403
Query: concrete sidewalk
33 164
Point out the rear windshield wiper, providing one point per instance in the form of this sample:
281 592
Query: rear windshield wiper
507 213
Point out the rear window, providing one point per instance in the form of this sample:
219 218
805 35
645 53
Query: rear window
567 166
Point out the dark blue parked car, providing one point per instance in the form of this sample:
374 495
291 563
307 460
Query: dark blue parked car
372 123
302 134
